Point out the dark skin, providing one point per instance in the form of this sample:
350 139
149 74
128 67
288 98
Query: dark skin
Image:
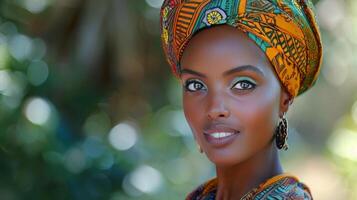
250 99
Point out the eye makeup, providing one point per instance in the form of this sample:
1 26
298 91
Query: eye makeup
193 85
244 79
246 83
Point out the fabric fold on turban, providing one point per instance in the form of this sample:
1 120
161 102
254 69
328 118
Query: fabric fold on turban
286 30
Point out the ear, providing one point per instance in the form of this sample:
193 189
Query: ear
285 101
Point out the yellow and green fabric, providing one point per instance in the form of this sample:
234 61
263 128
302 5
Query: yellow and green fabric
280 187
286 30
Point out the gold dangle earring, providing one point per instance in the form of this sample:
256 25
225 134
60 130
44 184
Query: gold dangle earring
199 147
281 134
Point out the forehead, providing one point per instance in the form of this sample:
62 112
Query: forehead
220 48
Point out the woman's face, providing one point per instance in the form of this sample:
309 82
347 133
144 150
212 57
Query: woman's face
232 98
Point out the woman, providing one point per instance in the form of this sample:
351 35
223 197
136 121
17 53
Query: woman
241 64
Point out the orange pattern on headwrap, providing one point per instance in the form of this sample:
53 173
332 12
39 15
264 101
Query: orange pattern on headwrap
286 30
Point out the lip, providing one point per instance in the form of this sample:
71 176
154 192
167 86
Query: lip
223 141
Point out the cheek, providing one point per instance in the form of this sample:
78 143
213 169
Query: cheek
259 114
193 112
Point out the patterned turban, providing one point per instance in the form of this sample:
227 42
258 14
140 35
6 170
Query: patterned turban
286 30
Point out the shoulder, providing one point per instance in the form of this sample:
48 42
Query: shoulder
286 187
205 191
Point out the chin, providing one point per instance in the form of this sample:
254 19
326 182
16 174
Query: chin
226 159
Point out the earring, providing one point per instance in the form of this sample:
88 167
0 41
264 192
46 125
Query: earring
199 148
281 134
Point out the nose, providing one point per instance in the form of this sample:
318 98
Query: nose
217 108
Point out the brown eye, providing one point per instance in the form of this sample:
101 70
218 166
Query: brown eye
194 85
244 83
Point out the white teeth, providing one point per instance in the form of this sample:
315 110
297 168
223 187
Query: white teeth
221 134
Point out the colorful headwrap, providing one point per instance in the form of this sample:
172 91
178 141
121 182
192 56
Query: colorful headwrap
286 30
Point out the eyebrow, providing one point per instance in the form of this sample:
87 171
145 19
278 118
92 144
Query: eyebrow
226 73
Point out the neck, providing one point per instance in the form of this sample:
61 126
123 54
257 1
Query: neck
237 180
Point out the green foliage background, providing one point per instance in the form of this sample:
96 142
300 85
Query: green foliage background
73 70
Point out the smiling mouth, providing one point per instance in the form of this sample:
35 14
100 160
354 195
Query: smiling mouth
220 137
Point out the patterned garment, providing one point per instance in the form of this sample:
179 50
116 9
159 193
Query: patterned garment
286 30
279 187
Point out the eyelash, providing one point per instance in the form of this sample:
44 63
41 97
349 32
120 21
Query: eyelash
251 85
187 84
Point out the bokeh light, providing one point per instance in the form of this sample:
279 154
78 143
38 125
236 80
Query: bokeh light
38 110
154 3
20 47
343 143
5 81
37 72
123 136
36 6
75 160
146 179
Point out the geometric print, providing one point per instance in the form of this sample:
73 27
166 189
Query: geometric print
280 187
285 30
